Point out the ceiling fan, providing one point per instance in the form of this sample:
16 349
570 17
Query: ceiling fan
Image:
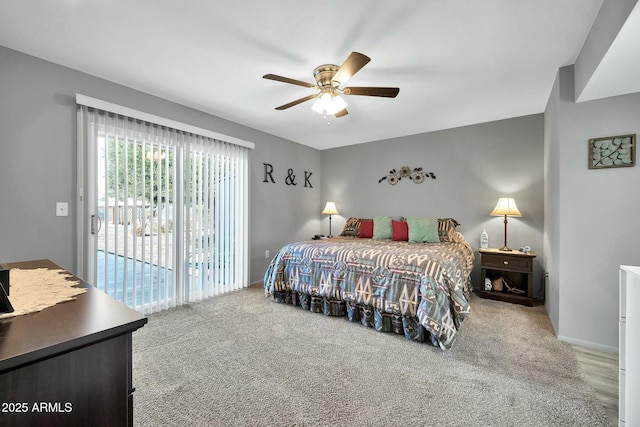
329 78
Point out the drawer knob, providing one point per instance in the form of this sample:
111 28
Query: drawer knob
506 262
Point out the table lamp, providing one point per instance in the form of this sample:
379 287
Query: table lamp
506 206
330 209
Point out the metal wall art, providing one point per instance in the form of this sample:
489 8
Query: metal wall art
416 175
612 152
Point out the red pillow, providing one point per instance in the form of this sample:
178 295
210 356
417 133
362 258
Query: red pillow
366 229
400 230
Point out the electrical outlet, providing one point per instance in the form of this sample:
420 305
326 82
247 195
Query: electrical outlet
62 209
266 254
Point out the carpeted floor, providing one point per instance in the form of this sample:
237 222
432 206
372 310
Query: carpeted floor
244 360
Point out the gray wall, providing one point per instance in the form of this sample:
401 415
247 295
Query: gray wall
283 213
474 166
594 225
38 163
551 235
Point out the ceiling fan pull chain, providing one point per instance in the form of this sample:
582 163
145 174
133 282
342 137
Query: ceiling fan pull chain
324 115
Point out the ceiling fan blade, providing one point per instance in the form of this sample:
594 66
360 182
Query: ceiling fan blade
341 113
352 65
296 102
387 92
287 80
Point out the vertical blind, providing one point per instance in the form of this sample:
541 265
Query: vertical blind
169 209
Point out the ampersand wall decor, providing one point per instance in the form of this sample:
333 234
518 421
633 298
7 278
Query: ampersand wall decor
291 178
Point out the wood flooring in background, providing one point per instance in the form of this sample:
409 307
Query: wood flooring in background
601 370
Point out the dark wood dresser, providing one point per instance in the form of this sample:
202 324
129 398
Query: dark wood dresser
69 364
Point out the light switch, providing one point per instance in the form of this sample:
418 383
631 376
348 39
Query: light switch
62 209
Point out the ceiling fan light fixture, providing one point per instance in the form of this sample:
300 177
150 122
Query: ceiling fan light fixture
328 104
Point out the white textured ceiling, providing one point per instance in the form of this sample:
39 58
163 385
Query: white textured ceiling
455 62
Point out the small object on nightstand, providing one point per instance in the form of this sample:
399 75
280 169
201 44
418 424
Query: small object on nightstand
484 240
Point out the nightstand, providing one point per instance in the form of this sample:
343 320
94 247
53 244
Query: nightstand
515 266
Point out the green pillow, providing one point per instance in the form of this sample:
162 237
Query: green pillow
382 227
423 230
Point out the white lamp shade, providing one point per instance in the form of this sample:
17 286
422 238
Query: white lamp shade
328 104
330 209
506 206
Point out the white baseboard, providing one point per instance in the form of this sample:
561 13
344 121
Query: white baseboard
588 344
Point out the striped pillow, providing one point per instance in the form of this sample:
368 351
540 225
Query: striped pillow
447 230
351 227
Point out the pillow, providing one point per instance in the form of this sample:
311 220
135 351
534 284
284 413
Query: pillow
382 227
366 228
351 227
400 230
423 230
447 230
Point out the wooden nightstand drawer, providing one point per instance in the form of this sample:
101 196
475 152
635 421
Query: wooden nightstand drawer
502 262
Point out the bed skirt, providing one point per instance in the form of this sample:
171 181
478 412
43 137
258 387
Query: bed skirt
358 313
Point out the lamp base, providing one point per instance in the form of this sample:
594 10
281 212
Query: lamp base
506 248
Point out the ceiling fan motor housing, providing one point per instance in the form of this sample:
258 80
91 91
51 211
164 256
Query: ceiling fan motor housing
324 75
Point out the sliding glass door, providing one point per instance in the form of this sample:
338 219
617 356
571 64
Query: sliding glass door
166 212
135 239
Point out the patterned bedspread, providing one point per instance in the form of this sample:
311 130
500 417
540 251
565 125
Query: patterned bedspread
427 281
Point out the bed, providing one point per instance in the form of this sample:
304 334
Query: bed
419 289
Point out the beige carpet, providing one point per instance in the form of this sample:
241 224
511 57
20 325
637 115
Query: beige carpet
33 290
243 360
